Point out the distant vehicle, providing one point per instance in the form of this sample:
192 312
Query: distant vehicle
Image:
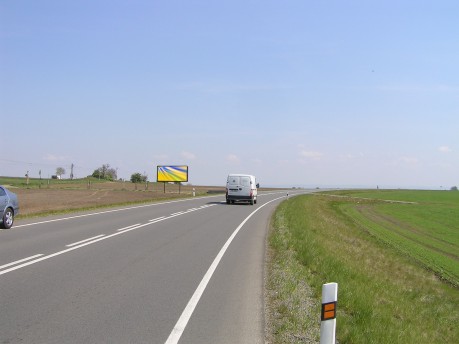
9 207
241 187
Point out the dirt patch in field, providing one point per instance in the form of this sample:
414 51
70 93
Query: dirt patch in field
44 200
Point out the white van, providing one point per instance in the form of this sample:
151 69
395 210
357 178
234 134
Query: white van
241 187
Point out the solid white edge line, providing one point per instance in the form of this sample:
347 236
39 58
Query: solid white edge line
20 261
180 326
82 241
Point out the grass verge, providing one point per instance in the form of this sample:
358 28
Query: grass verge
385 295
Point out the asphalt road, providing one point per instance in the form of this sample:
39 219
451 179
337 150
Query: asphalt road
188 271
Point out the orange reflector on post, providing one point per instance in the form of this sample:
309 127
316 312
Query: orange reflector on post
328 311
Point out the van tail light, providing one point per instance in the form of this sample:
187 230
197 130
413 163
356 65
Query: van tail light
251 193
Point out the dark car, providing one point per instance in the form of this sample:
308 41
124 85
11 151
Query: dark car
9 207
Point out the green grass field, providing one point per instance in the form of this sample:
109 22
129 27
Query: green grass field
396 265
427 231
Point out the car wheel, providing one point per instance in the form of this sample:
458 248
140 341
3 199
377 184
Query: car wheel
227 201
8 219
251 201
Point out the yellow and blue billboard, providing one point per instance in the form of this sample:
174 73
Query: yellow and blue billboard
172 173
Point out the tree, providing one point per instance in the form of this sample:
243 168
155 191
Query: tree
105 172
454 188
138 178
111 174
96 173
60 171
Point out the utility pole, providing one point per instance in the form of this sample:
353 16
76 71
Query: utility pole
71 171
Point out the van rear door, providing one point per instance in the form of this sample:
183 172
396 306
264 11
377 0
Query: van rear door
245 184
239 186
234 184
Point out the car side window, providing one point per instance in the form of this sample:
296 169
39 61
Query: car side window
2 192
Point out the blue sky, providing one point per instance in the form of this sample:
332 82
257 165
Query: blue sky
299 93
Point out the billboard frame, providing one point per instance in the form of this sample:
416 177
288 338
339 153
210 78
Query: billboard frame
167 173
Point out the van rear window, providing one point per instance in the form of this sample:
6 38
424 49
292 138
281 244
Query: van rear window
233 180
245 181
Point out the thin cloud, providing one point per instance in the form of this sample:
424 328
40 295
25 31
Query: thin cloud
233 159
350 156
188 155
444 149
160 157
52 157
409 160
311 154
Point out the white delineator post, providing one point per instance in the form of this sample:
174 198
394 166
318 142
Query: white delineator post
328 316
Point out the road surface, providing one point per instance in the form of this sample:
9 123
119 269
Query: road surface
187 271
